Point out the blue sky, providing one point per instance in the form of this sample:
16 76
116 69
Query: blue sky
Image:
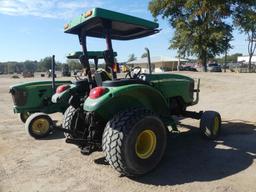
33 29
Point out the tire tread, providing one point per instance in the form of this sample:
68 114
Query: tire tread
113 136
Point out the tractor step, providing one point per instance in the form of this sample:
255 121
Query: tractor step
62 129
192 114
87 147
87 150
78 142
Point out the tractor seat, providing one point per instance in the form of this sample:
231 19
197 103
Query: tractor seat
121 82
100 76
82 82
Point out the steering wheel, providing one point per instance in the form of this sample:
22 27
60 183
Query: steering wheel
134 72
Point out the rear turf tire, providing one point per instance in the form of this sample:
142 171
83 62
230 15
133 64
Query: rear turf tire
39 125
134 141
210 124
72 115
68 119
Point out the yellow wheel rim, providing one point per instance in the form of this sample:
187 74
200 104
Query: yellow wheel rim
40 126
216 126
145 144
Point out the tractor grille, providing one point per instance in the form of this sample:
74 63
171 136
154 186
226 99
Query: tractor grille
19 97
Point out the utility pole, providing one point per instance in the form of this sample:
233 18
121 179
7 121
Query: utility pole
226 51
178 68
225 64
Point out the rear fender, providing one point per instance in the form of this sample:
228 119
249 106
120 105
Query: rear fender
120 98
64 96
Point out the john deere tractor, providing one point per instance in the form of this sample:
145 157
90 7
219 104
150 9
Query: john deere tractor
37 99
35 96
129 118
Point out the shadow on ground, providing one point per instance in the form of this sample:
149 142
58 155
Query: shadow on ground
55 134
190 158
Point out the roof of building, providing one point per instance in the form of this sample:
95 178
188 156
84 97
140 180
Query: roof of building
245 59
156 59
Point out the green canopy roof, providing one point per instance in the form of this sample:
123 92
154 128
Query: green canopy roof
123 27
90 54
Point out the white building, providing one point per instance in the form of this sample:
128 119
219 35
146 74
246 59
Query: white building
159 63
245 59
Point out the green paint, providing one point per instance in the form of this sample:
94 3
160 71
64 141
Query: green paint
38 97
155 97
93 25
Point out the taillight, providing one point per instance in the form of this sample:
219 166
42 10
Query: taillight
62 88
97 92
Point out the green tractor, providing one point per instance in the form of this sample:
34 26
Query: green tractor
65 72
75 92
35 96
35 100
129 118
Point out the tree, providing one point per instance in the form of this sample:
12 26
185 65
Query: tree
1 68
74 64
45 64
131 57
58 66
11 67
200 28
245 19
8 67
144 55
29 66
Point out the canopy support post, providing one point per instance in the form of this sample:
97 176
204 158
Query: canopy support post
108 27
84 58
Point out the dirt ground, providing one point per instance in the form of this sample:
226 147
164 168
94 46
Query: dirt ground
190 163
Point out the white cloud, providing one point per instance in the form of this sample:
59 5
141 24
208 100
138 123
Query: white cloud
72 5
47 8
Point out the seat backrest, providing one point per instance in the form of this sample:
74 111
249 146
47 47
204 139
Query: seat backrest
121 82
100 76
98 79
83 85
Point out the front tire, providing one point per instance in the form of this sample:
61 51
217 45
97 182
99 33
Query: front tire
134 141
39 125
210 124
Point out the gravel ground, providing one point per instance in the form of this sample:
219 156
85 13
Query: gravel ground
190 163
